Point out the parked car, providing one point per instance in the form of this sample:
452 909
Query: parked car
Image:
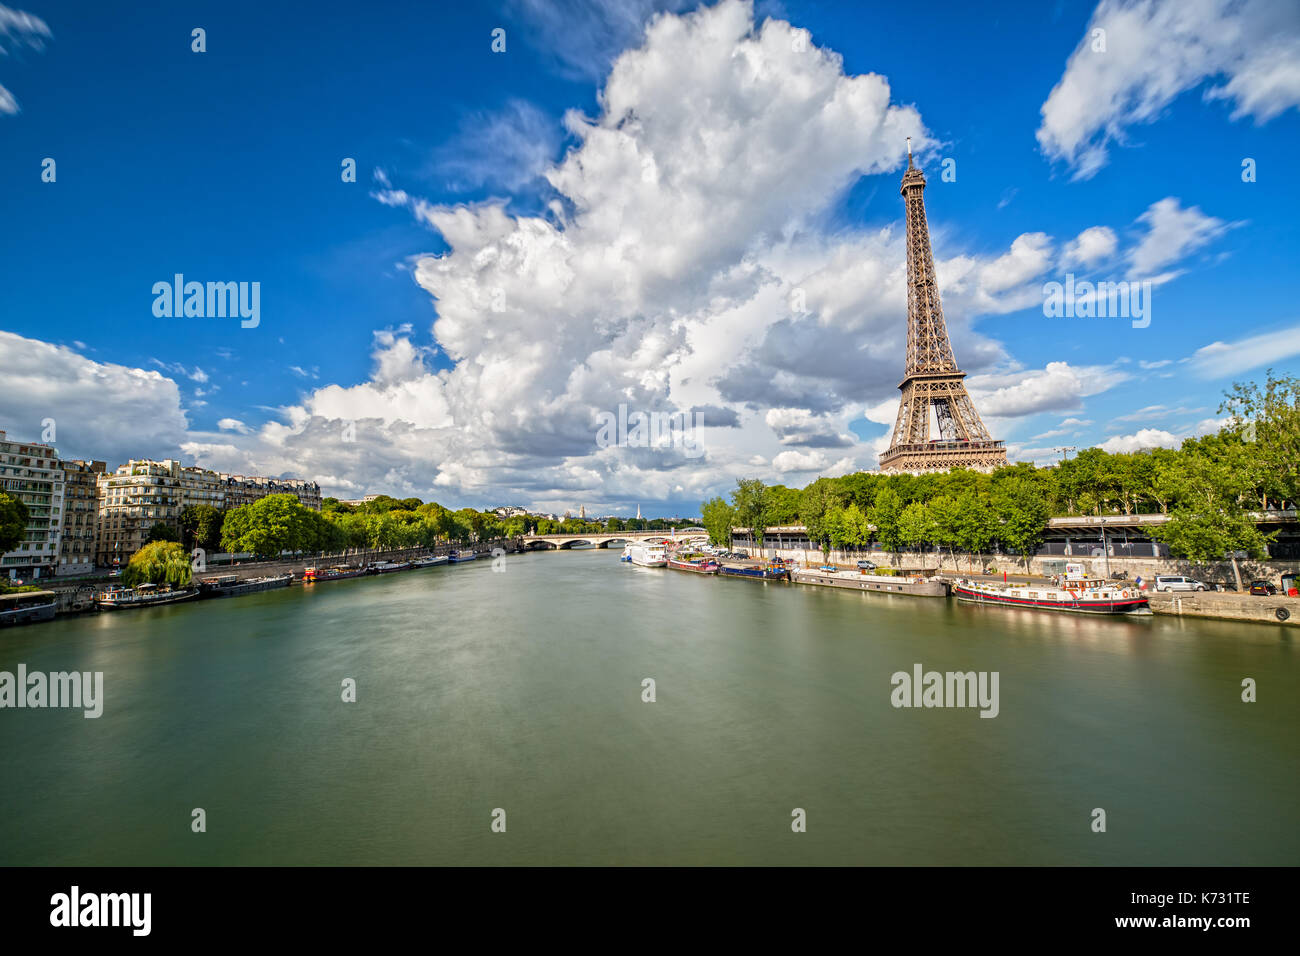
1174 582
1264 588
865 565
740 554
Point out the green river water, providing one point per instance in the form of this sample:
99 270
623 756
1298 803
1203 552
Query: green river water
521 689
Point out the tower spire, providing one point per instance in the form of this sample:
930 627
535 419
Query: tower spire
932 379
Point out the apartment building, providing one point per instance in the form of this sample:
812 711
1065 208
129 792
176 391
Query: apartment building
142 493
80 515
33 474
245 489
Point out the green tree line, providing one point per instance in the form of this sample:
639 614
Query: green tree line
1210 488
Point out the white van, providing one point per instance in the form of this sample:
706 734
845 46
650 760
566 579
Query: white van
1170 582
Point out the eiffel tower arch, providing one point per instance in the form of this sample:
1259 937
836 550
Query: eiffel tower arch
932 382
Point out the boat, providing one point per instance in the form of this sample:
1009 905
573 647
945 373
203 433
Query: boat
430 561
146 595
1084 596
312 575
383 567
627 554
27 607
700 565
774 570
230 585
831 576
648 555
461 557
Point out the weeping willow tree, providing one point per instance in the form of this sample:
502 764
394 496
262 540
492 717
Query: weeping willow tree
161 562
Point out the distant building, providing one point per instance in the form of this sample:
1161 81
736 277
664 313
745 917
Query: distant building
357 502
33 474
80 516
243 490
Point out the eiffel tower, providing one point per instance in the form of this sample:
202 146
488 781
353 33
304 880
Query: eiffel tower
932 379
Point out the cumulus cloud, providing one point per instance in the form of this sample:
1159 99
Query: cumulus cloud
1058 386
98 407
799 426
1156 49
1090 247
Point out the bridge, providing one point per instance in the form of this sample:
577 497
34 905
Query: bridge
607 539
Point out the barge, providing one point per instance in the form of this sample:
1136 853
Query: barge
230 585
1080 597
858 581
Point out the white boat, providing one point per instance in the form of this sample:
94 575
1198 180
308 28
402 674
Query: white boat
648 555
430 561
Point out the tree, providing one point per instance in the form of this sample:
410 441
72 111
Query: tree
614 524
943 523
1268 418
13 522
885 515
1210 522
160 562
201 527
162 531
1022 514
272 525
718 519
974 524
914 525
819 500
750 501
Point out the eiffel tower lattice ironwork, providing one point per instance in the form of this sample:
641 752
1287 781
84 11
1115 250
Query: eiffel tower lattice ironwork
932 379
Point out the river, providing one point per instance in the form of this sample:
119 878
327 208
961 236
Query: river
520 688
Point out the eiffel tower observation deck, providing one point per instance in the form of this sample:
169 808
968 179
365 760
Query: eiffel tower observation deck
937 426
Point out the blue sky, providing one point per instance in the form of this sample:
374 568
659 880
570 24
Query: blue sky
645 231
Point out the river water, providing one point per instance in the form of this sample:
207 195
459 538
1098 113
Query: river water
520 689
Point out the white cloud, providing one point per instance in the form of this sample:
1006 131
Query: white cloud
19 29
1172 233
1090 247
98 407
1221 359
1145 438
1155 50
233 425
1058 386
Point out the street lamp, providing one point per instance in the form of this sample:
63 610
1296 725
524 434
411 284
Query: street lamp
1065 452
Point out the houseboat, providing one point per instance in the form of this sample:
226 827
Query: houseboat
1084 596
430 561
146 595
648 555
383 567
27 607
774 570
312 575
229 585
699 565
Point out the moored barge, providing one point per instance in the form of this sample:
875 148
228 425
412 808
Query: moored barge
1080 597
230 585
